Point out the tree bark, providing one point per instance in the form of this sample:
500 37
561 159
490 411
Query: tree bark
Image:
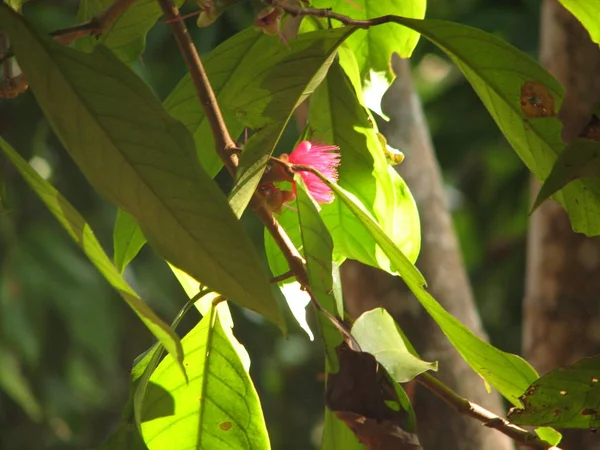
440 261
561 309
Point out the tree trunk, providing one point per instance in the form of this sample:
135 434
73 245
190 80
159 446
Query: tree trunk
365 288
561 311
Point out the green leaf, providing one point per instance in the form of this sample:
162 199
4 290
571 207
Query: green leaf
579 159
499 73
142 160
252 166
337 435
568 397
317 247
128 240
126 37
550 435
587 12
374 47
508 373
83 236
16 4
337 116
219 408
16 386
127 436
376 333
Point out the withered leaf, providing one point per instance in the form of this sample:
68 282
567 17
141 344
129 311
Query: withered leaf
357 395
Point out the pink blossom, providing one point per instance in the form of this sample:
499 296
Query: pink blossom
324 158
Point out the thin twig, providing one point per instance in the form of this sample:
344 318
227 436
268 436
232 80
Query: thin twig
489 419
295 10
282 277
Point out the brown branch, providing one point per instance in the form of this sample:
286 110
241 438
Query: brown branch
489 419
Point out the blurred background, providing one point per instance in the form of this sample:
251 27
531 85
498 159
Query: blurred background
66 333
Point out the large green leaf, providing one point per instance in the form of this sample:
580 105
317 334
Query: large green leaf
501 76
128 240
508 373
337 116
587 12
218 409
374 47
127 436
82 234
568 397
376 333
126 37
142 160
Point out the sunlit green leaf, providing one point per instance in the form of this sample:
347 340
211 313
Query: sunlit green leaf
142 160
374 47
376 333
568 397
126 37
587 12
499 72
81 233
550 435
317 247
337 117
16 4
219 408
128 240
579 159
508 373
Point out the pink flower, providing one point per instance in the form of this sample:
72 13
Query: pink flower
324 158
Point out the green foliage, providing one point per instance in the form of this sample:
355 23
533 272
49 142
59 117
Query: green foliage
128 240
568 397
376 333
587 12
218 407
141 160
82 234
157 163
